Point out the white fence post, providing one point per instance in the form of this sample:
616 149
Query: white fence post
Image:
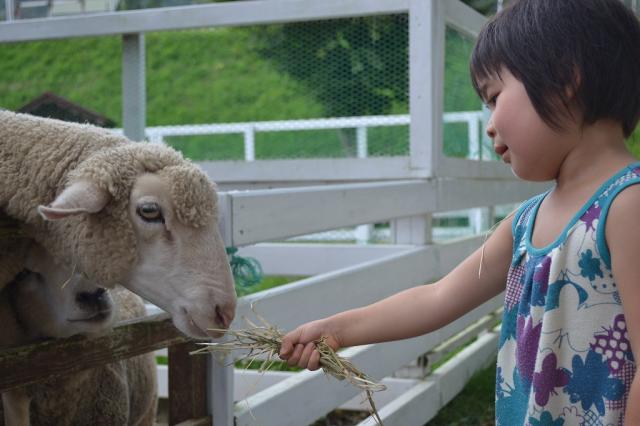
134 108
250 144
220 367
426 73
361 137
9 6
363 232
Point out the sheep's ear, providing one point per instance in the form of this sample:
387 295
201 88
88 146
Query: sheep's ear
79 197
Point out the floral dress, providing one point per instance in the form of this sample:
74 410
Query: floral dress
564 356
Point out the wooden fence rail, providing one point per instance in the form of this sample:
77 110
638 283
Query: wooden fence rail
33 363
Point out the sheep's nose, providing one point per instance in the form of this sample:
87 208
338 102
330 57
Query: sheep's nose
96 299
225 314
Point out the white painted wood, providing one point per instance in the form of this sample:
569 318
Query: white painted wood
363 234
464 18
134 102
219 366
220 389
250 144
421 404
249 382
9 6
457 376
456 194
300 124
416 230
313 259
289 305
198 16
267 215
463 168
280 172
225 218
300 171
426 66
163 381
452 344
361 138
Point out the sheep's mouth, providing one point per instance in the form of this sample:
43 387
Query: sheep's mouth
98 317
194 330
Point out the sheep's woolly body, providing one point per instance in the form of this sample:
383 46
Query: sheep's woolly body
121 393
41 156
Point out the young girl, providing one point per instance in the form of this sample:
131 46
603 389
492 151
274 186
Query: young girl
562 79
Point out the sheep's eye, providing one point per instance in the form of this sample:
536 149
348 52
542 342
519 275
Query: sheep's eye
150 212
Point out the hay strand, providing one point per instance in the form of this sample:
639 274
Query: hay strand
267 339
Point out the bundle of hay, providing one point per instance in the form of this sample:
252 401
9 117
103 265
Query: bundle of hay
266 340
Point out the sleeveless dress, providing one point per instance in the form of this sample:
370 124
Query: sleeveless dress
564 356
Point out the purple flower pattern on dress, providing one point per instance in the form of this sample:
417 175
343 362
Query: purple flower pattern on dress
551 377
613 344
591 215
527 337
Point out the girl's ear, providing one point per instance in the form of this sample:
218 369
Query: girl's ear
79 197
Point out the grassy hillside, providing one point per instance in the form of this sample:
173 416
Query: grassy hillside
213 76
192 77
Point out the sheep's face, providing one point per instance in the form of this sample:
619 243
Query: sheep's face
182 269
55 301
175 257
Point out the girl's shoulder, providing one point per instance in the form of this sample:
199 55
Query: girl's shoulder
622 198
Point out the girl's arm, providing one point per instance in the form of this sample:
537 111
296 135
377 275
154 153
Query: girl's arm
412 312
623 238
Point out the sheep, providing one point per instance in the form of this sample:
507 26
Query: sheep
34 306
119 212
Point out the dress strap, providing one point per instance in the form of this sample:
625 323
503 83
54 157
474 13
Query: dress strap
519 227
603 203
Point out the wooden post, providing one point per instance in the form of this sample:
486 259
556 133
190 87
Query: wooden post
187 384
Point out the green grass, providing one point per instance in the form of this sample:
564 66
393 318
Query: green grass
212 76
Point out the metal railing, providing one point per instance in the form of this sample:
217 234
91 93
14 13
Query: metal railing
473 119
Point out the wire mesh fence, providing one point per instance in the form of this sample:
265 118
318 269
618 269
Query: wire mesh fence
355 67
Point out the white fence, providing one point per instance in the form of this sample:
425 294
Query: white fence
350 276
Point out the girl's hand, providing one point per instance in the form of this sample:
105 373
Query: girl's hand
298 348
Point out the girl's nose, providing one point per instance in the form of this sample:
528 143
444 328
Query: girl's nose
491 130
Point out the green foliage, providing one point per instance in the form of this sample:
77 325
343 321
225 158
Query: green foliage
201 76
354 66
270 282
85 70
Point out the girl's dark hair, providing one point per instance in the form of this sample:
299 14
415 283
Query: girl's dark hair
564 51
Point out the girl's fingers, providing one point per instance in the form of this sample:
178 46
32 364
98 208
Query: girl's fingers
306 354
314 361
288 343
295 356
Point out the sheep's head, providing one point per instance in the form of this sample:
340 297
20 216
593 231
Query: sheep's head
154 228
55 301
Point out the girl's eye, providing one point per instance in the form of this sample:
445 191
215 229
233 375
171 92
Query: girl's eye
491 102
150 212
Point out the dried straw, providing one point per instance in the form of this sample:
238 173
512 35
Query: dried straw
266 340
